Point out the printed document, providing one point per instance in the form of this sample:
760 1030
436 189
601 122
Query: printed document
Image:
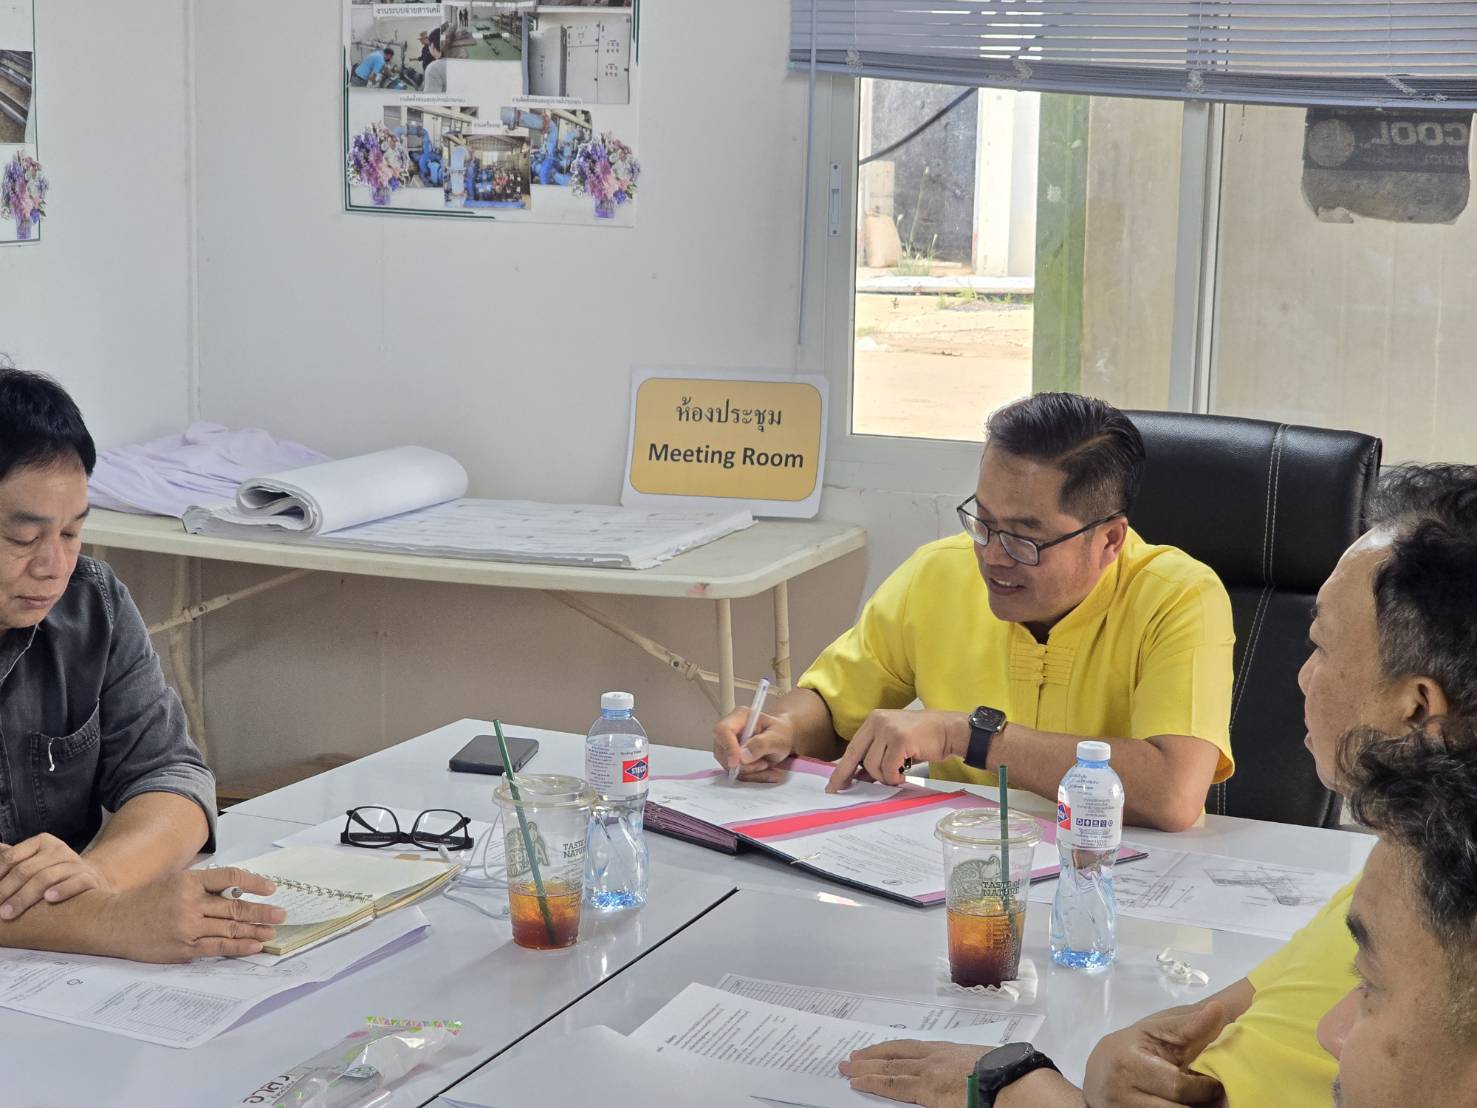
899 1015
897 855
711 797
775 1052
180 1006
1226 894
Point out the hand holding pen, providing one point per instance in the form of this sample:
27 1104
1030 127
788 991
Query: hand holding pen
754 710
753 746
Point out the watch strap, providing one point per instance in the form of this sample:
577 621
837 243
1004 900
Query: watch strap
977 753
994 1081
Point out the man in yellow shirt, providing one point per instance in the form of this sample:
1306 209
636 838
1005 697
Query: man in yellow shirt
1393 638
1046 622
1406 1033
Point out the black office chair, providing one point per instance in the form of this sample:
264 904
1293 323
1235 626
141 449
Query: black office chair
1270 507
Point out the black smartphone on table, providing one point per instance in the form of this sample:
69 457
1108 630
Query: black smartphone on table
481 755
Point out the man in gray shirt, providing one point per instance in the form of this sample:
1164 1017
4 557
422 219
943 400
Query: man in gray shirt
87 723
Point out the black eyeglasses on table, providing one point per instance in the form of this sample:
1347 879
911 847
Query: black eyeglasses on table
375 827
1021 549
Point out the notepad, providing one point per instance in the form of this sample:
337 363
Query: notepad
326 891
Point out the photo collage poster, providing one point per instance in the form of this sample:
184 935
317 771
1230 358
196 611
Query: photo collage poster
22 183
516 110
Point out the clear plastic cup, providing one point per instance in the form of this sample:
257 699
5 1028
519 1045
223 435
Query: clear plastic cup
986 900
545 890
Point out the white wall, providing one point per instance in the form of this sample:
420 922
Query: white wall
103 301
508 346
520 338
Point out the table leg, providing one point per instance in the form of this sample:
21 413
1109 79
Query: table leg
725 656
782 637
181 660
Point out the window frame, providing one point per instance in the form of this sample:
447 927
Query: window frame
938 466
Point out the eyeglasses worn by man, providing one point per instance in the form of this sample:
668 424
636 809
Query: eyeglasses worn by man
1046 621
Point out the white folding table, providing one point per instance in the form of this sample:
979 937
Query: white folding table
762 558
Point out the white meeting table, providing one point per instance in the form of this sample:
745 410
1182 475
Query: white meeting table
783 924
414 774
800 940
465 967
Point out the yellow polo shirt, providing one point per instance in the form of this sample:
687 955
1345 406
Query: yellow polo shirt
1147 653
1270 1055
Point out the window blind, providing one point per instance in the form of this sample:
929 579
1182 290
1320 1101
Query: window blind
1376 53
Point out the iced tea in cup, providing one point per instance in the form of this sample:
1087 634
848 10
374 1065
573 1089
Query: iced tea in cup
545 888
986 897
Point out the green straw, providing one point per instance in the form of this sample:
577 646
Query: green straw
1003 773
538 881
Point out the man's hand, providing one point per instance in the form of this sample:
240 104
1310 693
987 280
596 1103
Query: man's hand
889 737
179 917
44 866
1146 1063
758 760
933 1074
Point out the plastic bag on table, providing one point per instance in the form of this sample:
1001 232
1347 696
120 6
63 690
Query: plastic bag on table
360 1070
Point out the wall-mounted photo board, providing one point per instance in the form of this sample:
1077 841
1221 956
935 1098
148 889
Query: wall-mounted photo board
23 185
513 110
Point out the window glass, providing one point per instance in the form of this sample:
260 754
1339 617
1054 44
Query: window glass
1009 242
1337 318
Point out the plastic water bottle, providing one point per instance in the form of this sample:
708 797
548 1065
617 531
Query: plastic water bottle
1089 819
616 765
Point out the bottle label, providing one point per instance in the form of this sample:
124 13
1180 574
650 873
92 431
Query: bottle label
619 770
1094 822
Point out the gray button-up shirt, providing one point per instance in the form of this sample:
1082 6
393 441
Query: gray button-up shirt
86 720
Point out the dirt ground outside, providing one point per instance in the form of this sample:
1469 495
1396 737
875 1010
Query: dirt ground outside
935 366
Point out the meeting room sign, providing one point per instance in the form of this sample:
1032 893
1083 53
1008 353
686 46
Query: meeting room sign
727 441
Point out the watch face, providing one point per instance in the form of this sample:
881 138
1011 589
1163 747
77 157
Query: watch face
987 719
1003 1058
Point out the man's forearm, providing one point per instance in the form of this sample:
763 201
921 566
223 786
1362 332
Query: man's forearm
149 836
1041 1089
810 721
1159 790
75 926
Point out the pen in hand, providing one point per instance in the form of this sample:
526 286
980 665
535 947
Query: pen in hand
234 892
758 706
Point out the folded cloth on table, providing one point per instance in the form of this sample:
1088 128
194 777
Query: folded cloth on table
205 464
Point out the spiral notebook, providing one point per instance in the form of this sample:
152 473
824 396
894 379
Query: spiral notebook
327 890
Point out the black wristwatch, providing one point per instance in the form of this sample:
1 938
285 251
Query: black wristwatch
1003 1066
984 725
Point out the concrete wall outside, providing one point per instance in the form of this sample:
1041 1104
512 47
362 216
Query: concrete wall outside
1361 325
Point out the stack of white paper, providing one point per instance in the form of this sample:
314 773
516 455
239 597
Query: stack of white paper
748 1040
556 534
180 1006
410 500
1226 894
788 1055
